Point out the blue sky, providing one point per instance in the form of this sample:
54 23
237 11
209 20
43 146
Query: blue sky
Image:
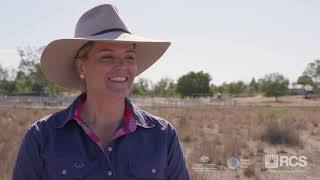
230 39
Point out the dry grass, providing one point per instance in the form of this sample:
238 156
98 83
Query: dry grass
247 133
281 132
250 171
218 133
281 127
14 123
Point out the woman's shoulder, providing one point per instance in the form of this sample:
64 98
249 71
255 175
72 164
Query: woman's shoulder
48 121
149 120
157 121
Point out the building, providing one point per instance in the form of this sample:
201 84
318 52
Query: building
300 89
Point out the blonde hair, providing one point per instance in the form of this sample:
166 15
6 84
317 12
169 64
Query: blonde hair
83 50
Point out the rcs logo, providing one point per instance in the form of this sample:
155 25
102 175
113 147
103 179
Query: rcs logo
275 161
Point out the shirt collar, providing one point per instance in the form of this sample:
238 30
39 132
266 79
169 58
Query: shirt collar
62 117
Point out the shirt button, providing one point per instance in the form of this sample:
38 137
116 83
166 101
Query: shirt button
153 171
109 173
64 172
109 149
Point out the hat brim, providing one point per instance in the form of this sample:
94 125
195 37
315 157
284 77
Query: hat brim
58 58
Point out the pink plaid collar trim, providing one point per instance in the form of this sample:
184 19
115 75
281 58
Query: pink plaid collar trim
127 126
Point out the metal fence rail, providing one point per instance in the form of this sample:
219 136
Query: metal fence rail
35 100
177 102
140 101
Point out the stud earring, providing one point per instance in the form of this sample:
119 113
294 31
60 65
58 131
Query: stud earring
82 76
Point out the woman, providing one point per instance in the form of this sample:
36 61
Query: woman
102 134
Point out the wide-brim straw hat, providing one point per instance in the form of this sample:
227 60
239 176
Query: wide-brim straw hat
101 23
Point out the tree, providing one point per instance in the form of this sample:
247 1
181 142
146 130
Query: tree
30 77
3 73
305 80
5 84
29 57
194 83
7 87
165 88
236 88
254 86
213 89
275 85
23 82
223 88
313 70
141 88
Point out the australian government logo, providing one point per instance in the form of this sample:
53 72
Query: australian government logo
232 163
204 164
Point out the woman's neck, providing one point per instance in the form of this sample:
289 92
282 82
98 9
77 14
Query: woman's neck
103 111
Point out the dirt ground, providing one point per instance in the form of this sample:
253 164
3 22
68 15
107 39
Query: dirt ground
211 135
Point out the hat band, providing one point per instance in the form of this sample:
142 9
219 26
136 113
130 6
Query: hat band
110 30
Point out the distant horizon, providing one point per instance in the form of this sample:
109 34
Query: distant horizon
14 67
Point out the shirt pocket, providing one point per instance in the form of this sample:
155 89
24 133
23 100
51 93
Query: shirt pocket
142 170
66 168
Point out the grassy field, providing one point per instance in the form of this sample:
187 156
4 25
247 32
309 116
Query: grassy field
214 134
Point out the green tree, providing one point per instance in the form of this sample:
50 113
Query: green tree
29 77
305 80
275 85
5 85
194 83
236 88
313 70
172 90
213 89
253 86
165 88
223 88
141 88
23 82
3 73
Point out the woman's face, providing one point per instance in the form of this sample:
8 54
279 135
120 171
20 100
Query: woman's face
109 68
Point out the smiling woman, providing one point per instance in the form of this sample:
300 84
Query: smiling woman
102 134
108 68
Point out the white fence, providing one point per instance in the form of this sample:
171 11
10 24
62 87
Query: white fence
35 100
144 102
177 102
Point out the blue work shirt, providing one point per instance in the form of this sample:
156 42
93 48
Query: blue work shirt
55 148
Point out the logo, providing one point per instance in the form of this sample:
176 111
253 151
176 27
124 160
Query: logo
275 161
78 165
233 162
271 161
204 165
204 159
